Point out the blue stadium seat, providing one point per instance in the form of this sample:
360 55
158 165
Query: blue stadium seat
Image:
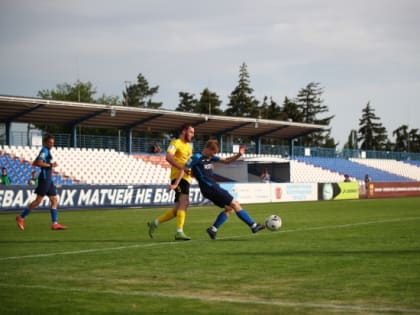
353 169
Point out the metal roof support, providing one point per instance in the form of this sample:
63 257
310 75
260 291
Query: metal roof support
264 134
230 129
129 140
23 113
40 111
220 140
142 121
257 145
87 117
74 132
292 142
8 125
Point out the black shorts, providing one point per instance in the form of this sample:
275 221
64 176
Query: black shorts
46 187
183 188
219 196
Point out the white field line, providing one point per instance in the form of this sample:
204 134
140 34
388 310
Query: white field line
157 244
222 299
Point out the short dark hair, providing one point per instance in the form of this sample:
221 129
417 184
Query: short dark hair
186 126
48 137
212 144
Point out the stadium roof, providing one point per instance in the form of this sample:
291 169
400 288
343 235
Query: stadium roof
41 111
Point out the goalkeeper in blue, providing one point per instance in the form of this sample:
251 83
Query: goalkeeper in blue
201 165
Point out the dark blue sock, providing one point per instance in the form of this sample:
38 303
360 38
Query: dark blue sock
221 218
54 215
245 217
25 213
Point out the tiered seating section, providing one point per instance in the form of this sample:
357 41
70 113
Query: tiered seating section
18 162
407 170
101 166
88 166
306 172
378 170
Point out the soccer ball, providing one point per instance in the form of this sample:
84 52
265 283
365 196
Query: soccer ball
273 222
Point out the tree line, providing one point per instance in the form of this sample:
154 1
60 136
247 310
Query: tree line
306 107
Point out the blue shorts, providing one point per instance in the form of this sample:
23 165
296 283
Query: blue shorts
45 187
219 196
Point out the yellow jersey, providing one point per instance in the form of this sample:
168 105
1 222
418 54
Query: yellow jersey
182 152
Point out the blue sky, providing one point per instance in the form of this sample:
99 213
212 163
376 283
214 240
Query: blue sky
359 51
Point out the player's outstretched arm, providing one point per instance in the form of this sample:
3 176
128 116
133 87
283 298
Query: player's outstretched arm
233 158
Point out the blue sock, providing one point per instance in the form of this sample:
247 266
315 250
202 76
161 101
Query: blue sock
221 218
54 215
25 213
245 217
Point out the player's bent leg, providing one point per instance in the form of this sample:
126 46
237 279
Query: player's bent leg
20 219
166 216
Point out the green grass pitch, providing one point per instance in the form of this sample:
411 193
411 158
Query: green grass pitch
347 257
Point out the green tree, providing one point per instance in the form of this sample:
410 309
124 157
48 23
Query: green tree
140 94
401 138
187 102
311 105
77 92
406 140
241 100
263 109
108 100
351 140
209 103
414 141
291 111
271 110
372 134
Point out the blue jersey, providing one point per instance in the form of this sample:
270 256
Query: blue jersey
202 169
45 156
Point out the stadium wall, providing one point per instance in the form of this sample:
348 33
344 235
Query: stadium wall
13 198
97 196
392 190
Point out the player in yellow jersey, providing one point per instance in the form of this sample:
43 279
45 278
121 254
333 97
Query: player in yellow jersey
178 153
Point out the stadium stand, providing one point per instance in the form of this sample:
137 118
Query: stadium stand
87 166
413 162
16 161
302 172
392 166
107 166
354 169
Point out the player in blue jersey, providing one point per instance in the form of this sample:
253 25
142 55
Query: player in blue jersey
201 165
45 186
